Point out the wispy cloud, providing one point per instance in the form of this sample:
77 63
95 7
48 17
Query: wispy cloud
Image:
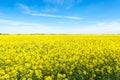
66 3
54 16
28 11
49 10
26 8
61 22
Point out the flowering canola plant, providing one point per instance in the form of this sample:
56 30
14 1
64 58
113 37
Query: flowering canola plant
59 57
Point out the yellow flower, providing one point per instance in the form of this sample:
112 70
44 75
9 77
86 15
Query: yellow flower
6 76
71 72
27 65
90 66
38 73
59 75
24 78
30 79
97 70
2 72
48 78
84 72
109 69
93 75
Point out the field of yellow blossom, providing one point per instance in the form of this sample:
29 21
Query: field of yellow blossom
59 57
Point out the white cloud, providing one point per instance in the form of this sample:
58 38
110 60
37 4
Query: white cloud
27 10
9 22
15 27
100 27
11 26
17 23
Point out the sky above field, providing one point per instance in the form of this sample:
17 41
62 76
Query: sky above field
60 16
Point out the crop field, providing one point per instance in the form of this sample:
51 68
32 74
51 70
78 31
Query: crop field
59 57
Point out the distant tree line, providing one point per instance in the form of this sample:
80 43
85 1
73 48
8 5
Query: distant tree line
33 34
3 34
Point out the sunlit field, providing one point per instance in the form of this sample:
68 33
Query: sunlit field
59 57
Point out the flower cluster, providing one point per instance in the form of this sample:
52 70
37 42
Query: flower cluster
59 57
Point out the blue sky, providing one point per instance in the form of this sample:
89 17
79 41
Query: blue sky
60 16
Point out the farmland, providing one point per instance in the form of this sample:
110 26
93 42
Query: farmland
59 57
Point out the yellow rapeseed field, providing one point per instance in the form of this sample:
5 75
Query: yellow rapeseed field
59 57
